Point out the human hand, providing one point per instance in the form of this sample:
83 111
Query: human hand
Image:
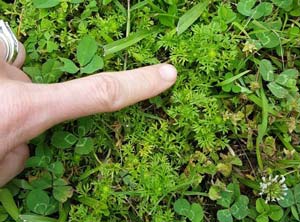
29 109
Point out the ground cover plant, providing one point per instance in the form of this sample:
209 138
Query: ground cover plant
221 145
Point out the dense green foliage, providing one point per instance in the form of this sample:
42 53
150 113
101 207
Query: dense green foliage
215 147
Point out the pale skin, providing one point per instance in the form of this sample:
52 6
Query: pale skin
28 109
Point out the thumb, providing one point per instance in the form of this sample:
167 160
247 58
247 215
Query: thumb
99 93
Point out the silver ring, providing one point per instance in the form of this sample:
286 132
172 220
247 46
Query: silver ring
10 41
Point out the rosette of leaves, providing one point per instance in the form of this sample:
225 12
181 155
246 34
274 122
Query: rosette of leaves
88 60
82 142
281 86
267 211
292 201
235 204
194 211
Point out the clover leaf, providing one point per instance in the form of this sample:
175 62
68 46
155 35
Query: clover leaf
236 205
39 202
193 212
292 200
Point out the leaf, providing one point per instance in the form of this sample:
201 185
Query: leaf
240 208
62 139
288 200
69 66
42 182
57 168
268 39
277 90
62 193
266 70
38 161
260 205
51 71
245 7
297 193
35 218
106 2
284 4
295 213
224 215
232 79
291 73
262 218
39 202
95 65
225 168
84 146
276 212
76 1
86 50
226 198
263 9
191 16
182 207
197 212
45 3
121 44
226 14
84 126
7 201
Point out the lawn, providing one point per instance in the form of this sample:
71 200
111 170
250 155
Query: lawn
221 145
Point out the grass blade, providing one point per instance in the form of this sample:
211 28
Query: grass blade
191 16
35 218
121 44
230 80
7 201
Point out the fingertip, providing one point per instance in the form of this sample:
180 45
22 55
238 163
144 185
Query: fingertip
168 72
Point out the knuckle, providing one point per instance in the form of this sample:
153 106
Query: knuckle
107 91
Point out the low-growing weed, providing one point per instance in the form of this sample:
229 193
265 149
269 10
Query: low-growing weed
205 150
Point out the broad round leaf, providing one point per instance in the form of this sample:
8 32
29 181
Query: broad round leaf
95 65
240 208
84 146
69 66
288 200
262 218
86 50
182 207
62 139
245 7
57 169
62 193
224 215
266 70
276 212
197 212
39 202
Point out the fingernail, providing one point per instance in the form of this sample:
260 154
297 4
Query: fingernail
168 72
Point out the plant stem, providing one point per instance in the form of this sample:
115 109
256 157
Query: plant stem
127 31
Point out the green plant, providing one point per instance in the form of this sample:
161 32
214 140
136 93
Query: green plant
236 205
268 211
193 212
232 116
292 201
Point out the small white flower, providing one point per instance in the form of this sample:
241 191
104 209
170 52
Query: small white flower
273 187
